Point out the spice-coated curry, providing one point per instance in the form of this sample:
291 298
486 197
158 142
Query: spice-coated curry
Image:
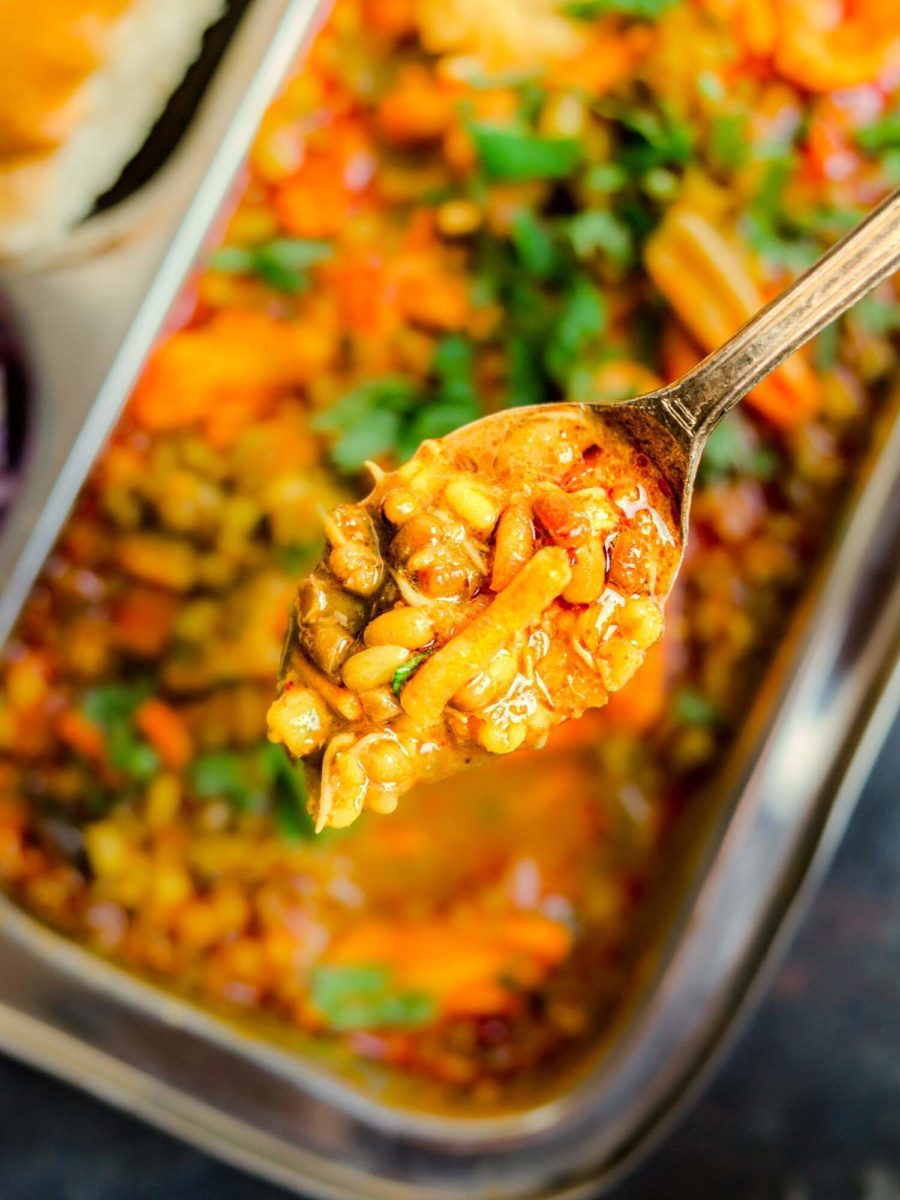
500 582
451 209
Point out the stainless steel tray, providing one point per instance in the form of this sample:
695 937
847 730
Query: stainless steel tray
749 859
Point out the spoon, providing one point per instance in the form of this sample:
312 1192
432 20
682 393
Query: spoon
555 593
672 424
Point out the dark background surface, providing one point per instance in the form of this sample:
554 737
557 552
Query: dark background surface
807 1106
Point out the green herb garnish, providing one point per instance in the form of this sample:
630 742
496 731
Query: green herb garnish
367 421
284 263
365 997
606 177
642 10
109 703
691 708
654 140
395 414
599 230
581 321
883 134
729 143
297 557
876 315
535 245
112 707
515 155
288 793
224 774
732 450
826 347
254 780
402 674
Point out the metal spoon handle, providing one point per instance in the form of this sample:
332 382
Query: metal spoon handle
869 254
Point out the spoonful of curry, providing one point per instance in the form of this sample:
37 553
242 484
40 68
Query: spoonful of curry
513 574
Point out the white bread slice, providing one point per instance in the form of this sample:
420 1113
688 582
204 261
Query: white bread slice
81 83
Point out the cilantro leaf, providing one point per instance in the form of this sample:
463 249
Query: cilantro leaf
297 557
581 320
733 449
367 420
655 140
534 245
515 155
729 143
283 263
599 230
253 781
288 793
223 774
403 672
112 707
692 708
883 134
643 10
111 702
353 997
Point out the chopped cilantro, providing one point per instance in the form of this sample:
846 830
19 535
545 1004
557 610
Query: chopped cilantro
402 674
534 245
655 140
112 707
111 702
733 449
288 793
883 134
224 774
367 420
642 10
710 86
660 183
876 315
691 708
365 997
283 263
606 177
599 230
393 415
515 155
254 780
523 372
297 557
581 321
729 142
826 347
129 753
454 365
890 166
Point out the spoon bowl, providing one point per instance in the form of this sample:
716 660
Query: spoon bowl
515 572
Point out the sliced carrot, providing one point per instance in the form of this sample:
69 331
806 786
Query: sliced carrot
314 203
826 46
396 18
81 735
419 107
231 369
167 733
709 283
142 620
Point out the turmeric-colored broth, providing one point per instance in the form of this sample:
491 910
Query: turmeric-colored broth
452 208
